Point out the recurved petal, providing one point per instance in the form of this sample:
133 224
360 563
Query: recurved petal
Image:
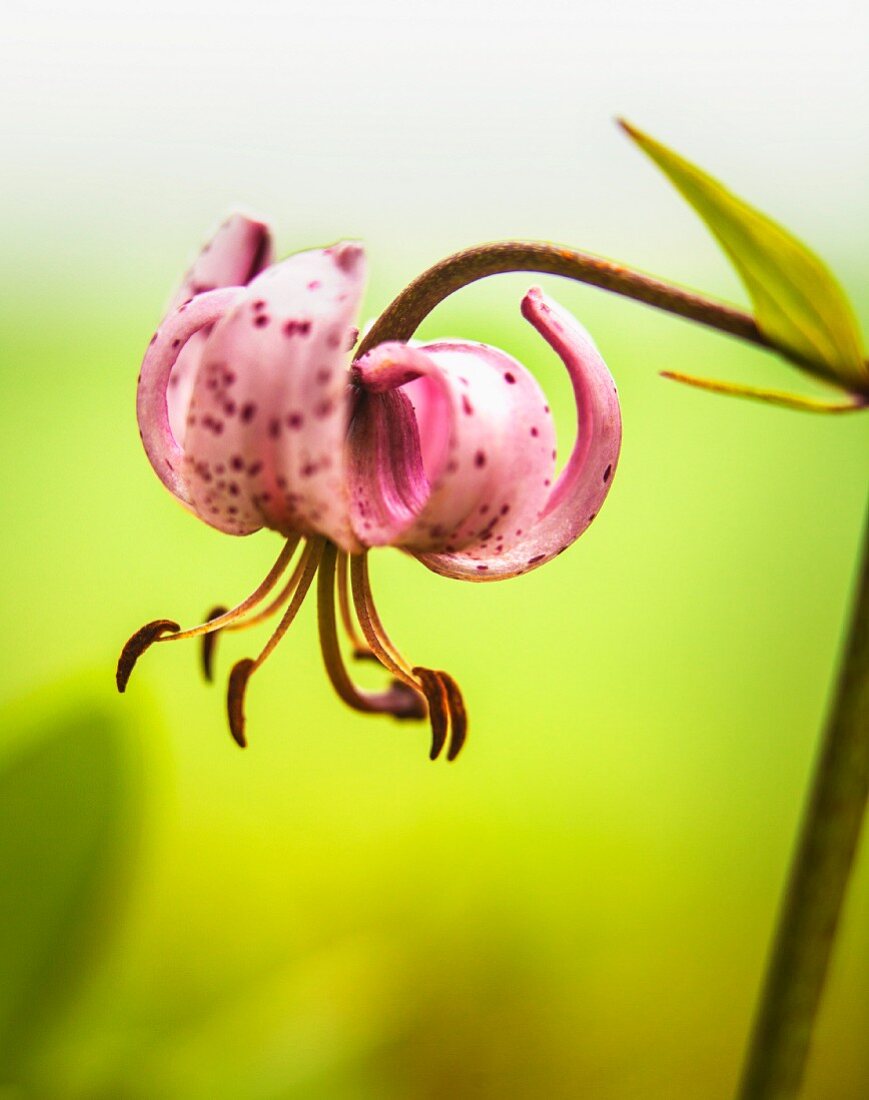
161 446
238 251
484 454
579 492
267 423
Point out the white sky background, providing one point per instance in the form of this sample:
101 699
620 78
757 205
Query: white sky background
424 127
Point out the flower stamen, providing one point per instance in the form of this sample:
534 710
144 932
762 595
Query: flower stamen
144 637
446 707
223 620
161 630
209 640
361 649
244 669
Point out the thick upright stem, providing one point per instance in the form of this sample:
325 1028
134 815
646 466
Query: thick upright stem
400 320
819 876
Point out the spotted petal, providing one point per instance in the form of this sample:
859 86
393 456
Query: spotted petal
460 460
161 446
232 256
265 433
477 490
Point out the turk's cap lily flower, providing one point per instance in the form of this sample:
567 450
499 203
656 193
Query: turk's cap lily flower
253 415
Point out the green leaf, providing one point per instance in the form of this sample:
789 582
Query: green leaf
798 303
68 808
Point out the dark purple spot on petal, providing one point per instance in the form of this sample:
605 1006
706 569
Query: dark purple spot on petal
261 320
324 409
607 472
274 428
237 462
510 379
294 420
535 432
535 559
248 412
467 407
482 568
480 459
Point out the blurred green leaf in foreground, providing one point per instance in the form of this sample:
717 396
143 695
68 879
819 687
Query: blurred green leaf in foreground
69 814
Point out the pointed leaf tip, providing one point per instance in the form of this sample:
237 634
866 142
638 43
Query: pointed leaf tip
798 303
769 397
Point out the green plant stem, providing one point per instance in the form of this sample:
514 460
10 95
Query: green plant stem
831 828
819 876
402 317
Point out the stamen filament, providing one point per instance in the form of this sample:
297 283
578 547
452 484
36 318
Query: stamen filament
259 594
277 602
375 634
244 669
361 648
309 561
209 641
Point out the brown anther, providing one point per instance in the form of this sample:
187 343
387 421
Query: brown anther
238 679
143 638
209 641
438 708
458 715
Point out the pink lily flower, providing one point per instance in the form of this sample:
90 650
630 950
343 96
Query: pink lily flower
253 415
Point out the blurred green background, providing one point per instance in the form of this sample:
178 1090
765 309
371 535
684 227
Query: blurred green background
579 906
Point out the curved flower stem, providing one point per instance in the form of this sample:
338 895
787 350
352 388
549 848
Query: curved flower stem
819 876
401 318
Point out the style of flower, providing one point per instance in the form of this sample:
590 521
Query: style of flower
252 415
